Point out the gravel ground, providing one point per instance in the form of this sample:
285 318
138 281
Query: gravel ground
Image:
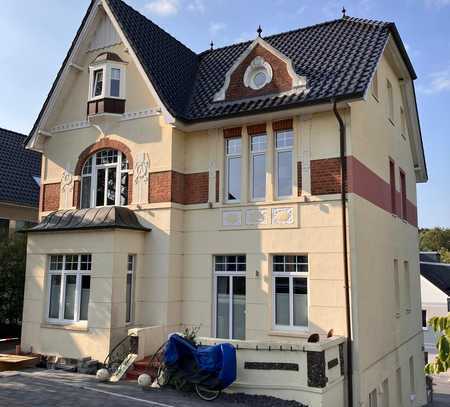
48 388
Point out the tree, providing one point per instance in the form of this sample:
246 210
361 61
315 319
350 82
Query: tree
436 240
12 279
441 363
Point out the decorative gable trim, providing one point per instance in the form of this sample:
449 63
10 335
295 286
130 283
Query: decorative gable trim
298 82
38 135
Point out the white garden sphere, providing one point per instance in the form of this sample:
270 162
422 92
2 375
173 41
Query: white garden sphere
103 375
144 380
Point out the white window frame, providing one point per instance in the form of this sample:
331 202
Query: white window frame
281 150
291 276
254 154
62 295
107 69
93 174
228 157
131 271
230 275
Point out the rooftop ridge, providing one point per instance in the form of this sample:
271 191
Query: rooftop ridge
156 25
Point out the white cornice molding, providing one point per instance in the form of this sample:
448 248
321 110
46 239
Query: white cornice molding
297 80
82 124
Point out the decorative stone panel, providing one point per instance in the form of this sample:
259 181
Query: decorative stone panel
282 216
316 369
256 217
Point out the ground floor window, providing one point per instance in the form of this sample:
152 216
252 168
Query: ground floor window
290 291
131 265
69 283
230 290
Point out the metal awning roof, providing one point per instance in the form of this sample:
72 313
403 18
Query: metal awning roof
108 217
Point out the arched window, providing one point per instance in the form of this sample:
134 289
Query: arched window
104 179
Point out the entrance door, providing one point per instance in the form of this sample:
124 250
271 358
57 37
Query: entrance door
230 296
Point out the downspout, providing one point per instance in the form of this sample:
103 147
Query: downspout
343 162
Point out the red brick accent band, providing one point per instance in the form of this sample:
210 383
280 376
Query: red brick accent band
280 125
233 132
281 81
326 179
172 186
299 178
101 145
50 197
256 129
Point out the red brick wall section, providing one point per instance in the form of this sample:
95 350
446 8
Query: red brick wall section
256 129
172 186
196 188
281 81
280 125
160 187
299 178
76 194
50 197
232 132
325 176
217 186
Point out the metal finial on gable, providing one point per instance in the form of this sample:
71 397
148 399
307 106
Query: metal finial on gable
212 45
259 30
344 11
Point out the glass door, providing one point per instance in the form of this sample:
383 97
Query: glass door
230 290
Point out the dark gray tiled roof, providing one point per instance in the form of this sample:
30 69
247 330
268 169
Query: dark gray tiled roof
108 217
18 166
437 274
337 57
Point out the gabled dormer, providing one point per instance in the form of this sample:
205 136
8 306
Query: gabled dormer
259 71
107 78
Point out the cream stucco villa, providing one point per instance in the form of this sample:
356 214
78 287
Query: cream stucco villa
183 189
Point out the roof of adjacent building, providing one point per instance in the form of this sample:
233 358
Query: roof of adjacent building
437 274
20 170
337 57
108 217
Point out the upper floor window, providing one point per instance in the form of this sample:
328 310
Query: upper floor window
403 193
107 77
233 169
390 101
104 179
258 148
284 145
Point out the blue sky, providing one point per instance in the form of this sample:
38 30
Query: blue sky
37 37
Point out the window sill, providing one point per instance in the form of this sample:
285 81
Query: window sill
77 327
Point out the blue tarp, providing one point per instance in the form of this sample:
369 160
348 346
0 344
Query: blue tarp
219 361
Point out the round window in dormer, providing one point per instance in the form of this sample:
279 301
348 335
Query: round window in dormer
258 74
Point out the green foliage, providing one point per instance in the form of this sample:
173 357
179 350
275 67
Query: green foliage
436 240
441 363
191 334
12 279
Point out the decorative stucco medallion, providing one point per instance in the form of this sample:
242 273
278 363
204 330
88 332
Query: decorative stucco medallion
231 218
282 216
141 169
256 216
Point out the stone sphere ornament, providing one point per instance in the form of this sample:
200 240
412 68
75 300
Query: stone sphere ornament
102 375
144 380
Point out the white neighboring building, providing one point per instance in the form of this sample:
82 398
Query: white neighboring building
435 289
